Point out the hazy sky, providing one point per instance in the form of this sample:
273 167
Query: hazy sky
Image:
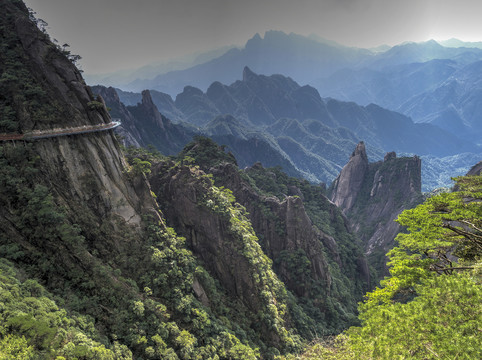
119 34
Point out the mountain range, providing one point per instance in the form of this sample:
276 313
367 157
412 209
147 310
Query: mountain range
312 134
109 252
415 79
121 252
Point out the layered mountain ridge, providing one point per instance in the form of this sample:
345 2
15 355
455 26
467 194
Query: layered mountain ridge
89 269
311 134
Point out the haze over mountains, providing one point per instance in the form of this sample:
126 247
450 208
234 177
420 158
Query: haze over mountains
429 83
301 130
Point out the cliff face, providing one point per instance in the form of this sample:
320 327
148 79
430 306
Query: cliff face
284 228
222 238
82 228
308 256
373 195
88 167
143 124
348 184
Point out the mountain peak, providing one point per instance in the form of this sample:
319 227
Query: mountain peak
349 182
248 74
255 41
360 151
147 98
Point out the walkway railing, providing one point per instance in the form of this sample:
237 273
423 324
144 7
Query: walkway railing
44 134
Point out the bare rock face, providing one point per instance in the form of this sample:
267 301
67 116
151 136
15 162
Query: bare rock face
348 184
396 186
476 169
87 167
373 195
128 130
284 227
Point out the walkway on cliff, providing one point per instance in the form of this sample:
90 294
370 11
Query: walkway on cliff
44 134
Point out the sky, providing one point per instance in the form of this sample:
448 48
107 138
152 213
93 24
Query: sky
111 35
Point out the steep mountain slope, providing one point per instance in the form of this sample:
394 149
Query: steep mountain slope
297 56
372 195
88 268
299 229
143 125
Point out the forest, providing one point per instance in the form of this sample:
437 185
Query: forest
114 252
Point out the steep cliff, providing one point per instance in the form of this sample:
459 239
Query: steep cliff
220 235
299 229
143 124
83 249
372 195
88 167
348 184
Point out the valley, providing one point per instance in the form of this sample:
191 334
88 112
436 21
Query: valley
250 203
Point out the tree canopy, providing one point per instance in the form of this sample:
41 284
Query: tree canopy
430 305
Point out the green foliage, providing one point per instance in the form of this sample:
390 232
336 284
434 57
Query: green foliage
34 326
13 347
430 306
334 312
273 295
163 321
443 321
95 105
143 155
140 167
444 226
23 99
205 152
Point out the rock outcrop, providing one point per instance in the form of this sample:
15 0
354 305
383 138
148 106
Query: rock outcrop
144 125
372 195
284 227
350 181
221 238
476 169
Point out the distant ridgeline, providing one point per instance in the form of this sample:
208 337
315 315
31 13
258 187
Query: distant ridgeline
112 252
90 269
274 120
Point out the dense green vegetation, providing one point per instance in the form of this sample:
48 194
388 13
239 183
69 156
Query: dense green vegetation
78 282
330 308
347 287
140 298
430 305
119 300
24 101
